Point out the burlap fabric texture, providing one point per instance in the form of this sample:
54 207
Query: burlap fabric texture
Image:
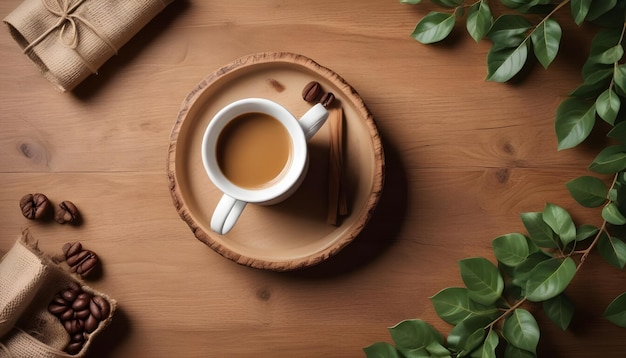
71 39
29 280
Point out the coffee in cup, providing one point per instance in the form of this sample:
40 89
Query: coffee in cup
255 151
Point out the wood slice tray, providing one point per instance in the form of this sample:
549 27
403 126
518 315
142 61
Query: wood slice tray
293 234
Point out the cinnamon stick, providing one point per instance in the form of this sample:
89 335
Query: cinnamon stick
337 203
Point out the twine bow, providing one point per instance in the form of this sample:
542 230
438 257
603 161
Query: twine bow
68 33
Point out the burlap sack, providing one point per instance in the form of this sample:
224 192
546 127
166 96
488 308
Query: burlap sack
29 280
70 39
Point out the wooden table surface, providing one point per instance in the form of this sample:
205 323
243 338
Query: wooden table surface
464 158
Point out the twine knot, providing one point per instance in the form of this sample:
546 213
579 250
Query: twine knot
68 28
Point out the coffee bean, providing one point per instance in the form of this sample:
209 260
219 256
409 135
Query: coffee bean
312 91
91 324
99 308
74 348
327 99
67 213
82 315
72 248
87 265
76 259
67 315
81 302
34 206
70 294
78 338
74 326
57 309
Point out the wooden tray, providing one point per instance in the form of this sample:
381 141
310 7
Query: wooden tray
293 234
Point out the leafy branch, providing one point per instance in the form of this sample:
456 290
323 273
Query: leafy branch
490 313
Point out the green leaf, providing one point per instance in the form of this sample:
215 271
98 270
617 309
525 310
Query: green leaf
381 350
411 2
591 90
468 335
514 352
588 191
613 250
610 160
586 231
453 305
616 311
503 63
522 271
448 3
479 20
488 348
413 335
521 330
574 121
482 279
608 105
612 215
609 56
511 249
438 350
546 39
540 233
597 74
434 27
549 278
618 132
559 310
604 40
580 8
599 8
508 30
560 222
619 77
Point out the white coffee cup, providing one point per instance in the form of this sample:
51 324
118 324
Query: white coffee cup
236 197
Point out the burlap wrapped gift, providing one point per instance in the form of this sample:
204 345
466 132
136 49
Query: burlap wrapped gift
70 39
29 281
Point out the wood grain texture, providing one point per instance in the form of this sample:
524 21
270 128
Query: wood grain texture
464 158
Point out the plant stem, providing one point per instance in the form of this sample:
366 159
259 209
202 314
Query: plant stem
506 313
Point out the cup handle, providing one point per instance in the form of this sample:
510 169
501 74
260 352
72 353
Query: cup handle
313 120
226 214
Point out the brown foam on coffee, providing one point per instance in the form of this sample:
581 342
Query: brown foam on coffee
253 150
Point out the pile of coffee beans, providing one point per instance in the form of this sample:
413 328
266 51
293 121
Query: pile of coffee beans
80 313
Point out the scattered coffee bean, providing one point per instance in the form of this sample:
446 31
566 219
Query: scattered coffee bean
72 248
312 91
327 99
67 213
34 206
80 261
85 267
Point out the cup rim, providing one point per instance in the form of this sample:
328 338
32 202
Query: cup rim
297 160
